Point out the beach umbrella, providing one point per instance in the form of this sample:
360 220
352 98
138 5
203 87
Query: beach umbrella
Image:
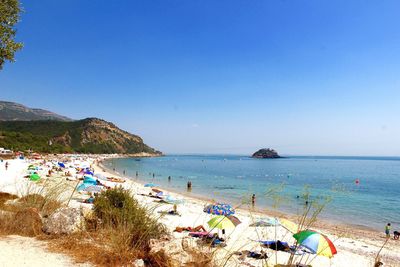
316 242
289 225
172 200
223 222
219 209
34 177
62 165
265 222
150 185
93 188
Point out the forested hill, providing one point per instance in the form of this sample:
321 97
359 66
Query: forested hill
89 135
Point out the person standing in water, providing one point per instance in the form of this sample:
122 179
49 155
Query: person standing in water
137 174
169 178
387 230
253 200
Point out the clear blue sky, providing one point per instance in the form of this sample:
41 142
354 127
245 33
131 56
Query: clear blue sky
303 77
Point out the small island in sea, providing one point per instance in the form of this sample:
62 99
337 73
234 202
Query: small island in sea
266 153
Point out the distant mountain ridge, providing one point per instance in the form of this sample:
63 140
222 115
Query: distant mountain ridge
11 111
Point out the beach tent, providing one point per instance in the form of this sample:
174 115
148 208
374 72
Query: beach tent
34 177
89 180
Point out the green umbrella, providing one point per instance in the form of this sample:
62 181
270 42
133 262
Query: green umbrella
224 222
34 177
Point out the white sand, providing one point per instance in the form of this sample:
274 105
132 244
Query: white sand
26 251
358 248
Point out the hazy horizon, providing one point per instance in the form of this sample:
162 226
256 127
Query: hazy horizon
304 77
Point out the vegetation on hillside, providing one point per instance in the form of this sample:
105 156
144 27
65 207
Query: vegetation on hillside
83 136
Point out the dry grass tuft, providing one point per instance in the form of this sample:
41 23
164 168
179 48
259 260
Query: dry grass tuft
24 222
27 222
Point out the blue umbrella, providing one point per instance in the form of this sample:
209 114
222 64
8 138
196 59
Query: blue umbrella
219 209
150 185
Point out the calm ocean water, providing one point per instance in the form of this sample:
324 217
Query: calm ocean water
372 202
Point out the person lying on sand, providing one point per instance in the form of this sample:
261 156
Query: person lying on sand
214 240
190 229
100 183
171 212
251 254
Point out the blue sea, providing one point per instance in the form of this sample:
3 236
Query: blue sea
363 191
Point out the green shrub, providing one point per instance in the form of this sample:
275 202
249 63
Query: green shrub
117 209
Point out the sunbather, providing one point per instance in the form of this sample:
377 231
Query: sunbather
276 245
252 254
190 229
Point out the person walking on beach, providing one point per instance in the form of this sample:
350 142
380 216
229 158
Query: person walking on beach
253 200
387 230
6 165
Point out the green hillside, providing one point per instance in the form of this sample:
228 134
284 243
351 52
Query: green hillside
82 136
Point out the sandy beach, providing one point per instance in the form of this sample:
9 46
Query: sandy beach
355 246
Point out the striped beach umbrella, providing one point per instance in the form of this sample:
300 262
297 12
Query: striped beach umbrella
316 242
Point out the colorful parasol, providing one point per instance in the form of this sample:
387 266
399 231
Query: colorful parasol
224 222
316 242
219 209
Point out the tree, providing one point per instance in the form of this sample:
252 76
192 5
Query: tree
9 16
